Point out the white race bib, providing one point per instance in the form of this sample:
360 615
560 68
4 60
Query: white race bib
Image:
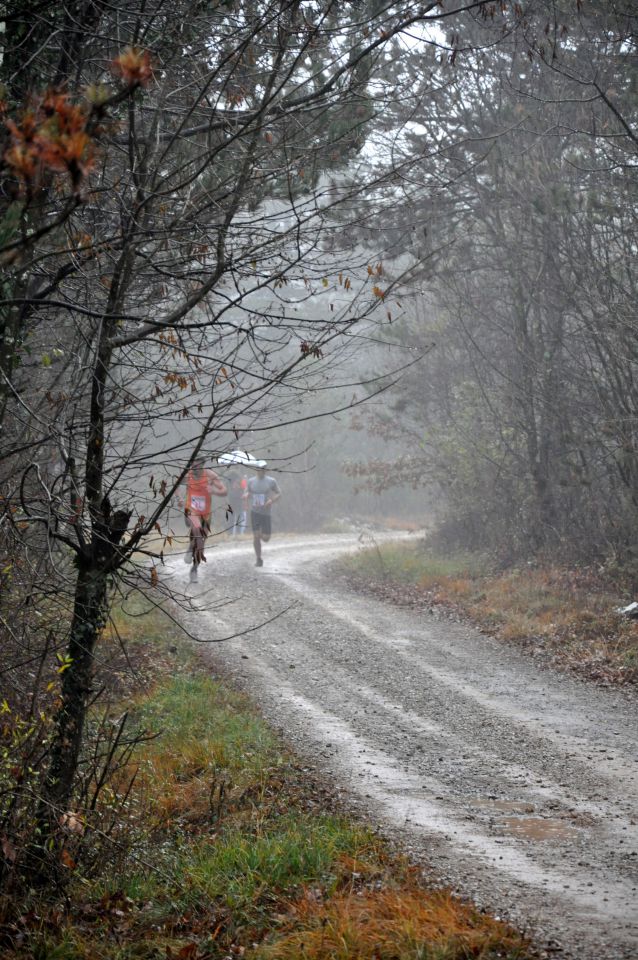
198 504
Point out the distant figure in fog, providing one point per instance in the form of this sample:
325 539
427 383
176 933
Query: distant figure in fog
263 491
236 514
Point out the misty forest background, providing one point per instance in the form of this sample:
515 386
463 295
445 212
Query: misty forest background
389 247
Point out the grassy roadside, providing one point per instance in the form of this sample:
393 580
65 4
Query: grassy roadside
226 848
564 616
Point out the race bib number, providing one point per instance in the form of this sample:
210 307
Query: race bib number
259 499
198 504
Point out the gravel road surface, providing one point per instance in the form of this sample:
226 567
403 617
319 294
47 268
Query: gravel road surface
516 786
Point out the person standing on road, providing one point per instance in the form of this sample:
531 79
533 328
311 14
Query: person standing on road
263 491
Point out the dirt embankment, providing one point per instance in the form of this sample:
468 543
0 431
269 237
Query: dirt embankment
565 618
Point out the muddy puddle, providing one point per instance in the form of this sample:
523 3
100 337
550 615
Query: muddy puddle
512 817
537 828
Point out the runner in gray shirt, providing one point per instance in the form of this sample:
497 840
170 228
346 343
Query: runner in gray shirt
263 491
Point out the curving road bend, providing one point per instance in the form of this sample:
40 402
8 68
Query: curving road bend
516 786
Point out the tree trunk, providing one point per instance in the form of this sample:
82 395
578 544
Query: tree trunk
89 613
88 621
57 791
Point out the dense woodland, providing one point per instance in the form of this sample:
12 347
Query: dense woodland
208 209
524 412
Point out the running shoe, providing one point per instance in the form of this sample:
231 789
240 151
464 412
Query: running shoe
193 575
259 562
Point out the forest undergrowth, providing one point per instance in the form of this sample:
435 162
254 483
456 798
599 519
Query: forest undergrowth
569 617
224 845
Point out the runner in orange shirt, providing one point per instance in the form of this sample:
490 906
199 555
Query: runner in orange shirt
201 486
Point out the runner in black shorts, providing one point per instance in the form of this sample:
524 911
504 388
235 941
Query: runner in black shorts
261 523
263 491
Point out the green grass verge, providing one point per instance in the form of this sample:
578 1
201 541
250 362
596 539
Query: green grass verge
201 720
410 563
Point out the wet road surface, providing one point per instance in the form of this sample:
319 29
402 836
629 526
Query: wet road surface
517 786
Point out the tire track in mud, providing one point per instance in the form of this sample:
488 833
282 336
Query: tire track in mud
517 786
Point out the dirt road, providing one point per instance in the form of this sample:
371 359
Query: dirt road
518 787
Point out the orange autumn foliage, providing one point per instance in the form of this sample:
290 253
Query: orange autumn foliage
50 136
134 66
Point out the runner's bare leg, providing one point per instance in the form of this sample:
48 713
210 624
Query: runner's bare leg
257 537
198 539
